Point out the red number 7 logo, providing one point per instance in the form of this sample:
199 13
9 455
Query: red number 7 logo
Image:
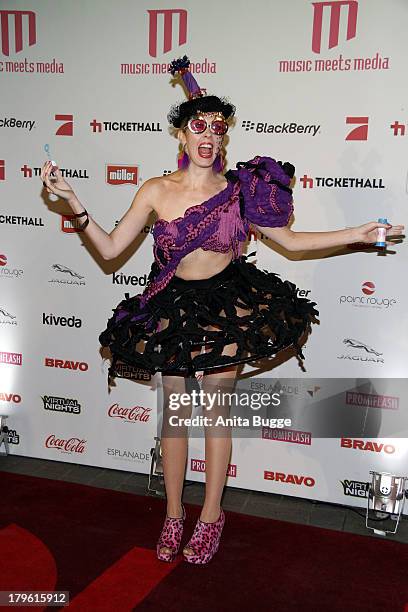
360 132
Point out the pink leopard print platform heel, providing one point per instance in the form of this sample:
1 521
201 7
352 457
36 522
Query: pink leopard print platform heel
170 537
205 540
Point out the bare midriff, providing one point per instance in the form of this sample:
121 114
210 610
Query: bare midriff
202 264
176 203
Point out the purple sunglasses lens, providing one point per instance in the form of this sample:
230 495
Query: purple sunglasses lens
219 127
197 126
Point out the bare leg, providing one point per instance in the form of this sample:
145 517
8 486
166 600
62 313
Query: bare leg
174 451
217 448
218 443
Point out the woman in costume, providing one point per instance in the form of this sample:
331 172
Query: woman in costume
205 308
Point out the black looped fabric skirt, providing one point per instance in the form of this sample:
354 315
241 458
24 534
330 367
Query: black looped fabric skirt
239 315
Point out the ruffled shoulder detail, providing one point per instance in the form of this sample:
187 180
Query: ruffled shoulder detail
265 193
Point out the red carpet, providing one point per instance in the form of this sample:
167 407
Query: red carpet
100 546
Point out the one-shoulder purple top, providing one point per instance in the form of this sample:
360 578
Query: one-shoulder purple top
257 192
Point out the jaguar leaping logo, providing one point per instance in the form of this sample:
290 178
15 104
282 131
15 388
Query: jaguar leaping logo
6 314
61 268
360 345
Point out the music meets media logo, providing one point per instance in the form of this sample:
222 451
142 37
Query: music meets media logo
18 30
339 12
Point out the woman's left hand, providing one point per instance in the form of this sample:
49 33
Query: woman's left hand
367 233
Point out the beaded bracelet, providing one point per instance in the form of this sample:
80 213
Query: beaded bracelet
85 223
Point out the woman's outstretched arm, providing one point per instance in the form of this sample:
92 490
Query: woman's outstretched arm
134 220
309 241
109 245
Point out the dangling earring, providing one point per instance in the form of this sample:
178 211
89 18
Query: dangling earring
183 160
218 165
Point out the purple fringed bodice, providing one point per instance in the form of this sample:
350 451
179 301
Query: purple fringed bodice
221 223
214 225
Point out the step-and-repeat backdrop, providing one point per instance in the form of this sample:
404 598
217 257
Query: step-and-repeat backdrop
320 84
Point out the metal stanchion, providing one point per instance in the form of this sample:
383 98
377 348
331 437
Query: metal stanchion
156 479
4 434
386 496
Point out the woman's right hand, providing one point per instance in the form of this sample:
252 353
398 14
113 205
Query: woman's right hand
58 186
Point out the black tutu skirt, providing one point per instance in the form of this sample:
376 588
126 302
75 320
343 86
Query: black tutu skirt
248 312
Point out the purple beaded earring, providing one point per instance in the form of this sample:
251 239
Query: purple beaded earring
218 164
184 160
